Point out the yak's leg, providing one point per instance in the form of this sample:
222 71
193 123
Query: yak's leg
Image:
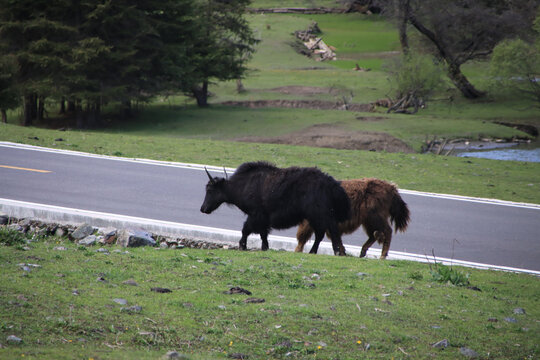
302 235
246 231
374 226
386 240
319 234
335 237
370 241
264 238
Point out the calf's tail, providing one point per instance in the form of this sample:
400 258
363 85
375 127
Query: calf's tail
399 213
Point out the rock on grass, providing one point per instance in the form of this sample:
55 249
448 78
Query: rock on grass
468 352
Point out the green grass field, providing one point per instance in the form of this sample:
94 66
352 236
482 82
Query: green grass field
315 307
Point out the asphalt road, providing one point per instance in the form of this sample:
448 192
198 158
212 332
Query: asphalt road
466 229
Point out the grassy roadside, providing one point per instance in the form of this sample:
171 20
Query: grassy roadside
506 180
315 307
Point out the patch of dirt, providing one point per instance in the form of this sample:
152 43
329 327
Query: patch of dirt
371 118
305 90
336 137
301 104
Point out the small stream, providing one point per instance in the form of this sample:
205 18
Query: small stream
501 151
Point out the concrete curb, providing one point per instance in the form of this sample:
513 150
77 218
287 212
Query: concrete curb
48 213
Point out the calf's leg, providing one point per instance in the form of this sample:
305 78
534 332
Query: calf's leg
370 241
303 235
386 240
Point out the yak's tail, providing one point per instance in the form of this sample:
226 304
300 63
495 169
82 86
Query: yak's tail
399 213
341 204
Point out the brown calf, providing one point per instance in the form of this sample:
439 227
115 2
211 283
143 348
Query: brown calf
373 202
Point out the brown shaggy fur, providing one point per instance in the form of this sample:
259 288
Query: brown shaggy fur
373 202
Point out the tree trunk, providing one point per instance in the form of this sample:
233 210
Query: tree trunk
454 71
71 106
4 115
63 106
126 111
201 94
30 109
40 108
461 82
80 119
403 15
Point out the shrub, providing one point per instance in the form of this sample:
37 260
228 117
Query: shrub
414 78
515 65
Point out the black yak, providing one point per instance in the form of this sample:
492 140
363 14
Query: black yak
373 201
275 198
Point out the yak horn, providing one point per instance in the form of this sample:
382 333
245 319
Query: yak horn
225 171
209 176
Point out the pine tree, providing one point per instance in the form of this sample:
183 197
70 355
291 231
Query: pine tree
223 46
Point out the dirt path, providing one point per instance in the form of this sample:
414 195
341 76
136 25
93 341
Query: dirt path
337 137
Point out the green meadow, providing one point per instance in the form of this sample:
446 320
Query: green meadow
65 301
64 304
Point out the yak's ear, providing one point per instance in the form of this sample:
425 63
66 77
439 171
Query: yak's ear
209 176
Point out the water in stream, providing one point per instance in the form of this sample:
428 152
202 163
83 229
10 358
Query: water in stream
507 151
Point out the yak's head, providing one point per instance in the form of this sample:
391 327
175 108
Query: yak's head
215 193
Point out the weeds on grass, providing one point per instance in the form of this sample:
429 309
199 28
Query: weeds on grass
11 237
447 274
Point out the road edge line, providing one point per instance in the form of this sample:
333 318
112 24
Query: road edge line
51 213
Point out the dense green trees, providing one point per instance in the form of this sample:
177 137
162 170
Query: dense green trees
84 54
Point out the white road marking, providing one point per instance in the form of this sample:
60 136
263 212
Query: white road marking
231 170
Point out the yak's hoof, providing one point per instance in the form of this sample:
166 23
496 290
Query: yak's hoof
362 254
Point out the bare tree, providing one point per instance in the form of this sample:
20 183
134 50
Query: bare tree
459 31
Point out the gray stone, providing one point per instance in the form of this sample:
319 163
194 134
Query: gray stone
60 232
13 339
175 355
15 227
520 311
60 248
468 352
510 319
130 282
103 250
82 231
131 309
441 344
134 237
120 301
88 240
164 245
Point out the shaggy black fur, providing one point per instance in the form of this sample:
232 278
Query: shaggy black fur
275 198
